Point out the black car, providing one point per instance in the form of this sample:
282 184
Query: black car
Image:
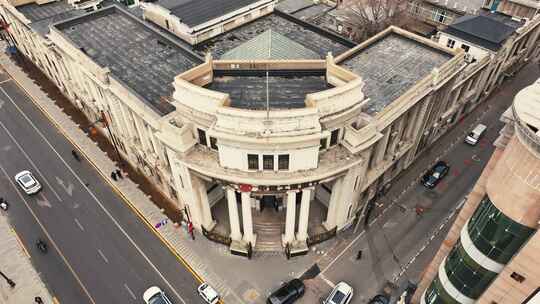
287 293
435 174
379 299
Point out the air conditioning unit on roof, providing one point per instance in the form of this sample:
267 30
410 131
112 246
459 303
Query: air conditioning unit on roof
469 58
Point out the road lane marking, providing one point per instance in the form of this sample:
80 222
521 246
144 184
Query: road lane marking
67 187
103 256
105 210
130 292
19 240
29 159
327 281
42 201
79 224
4 81
48 236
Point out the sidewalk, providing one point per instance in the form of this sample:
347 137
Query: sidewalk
174 236
16 265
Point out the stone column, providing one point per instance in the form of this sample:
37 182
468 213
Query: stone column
233 215
290 220
331 216
304 215
246 217
207 221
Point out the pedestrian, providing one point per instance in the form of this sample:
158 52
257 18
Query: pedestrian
113 176
38 300
359 255
75 155
119 173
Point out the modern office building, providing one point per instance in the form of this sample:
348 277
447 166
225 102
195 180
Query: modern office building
490 255
271 112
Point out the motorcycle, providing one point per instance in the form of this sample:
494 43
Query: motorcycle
41 246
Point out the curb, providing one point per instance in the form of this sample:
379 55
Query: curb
105 178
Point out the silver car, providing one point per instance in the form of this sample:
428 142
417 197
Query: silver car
341 294
28 183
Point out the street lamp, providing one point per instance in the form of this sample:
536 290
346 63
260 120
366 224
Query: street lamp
8 280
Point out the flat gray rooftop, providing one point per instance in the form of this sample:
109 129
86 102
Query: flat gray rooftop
319 43
197 12
392 65
35 12
137 55
285 92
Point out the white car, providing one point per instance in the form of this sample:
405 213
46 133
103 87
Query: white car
208 293
341 294
154 295
28 182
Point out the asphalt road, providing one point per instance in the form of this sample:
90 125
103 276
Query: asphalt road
395 243
99 250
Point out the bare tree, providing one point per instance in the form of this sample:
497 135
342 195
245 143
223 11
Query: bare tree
366 18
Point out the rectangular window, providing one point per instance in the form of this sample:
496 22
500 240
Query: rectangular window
167 24
202 137
323 144
465 48
283 162
253 162
451 43
268 162
213 143
334 137
516 276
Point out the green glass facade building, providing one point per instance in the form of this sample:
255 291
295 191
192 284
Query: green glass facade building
487 243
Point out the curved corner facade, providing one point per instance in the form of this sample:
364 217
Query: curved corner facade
505 222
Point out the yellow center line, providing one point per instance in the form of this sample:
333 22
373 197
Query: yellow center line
20 242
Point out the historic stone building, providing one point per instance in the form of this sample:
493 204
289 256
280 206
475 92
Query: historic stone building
274 111
490 254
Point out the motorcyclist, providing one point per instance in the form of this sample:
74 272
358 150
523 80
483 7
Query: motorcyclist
41 245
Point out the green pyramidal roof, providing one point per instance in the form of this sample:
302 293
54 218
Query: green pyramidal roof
270 45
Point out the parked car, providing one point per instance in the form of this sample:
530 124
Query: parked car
154 295
379 299
208 293
475 135
435 174
28 183
341 294
288 293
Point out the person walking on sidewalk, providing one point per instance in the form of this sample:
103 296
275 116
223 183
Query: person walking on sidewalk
113 176
75 155
359 255
119 174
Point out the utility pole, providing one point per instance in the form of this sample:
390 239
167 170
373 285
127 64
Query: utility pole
8 280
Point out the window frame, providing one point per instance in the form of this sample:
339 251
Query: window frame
253 161
201 134
451 43
334 138
268 162
282 158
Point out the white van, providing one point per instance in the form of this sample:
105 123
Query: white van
476 133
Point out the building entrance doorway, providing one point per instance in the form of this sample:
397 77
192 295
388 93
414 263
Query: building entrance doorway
271 202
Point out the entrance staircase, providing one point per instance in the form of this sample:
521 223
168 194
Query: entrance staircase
268 225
